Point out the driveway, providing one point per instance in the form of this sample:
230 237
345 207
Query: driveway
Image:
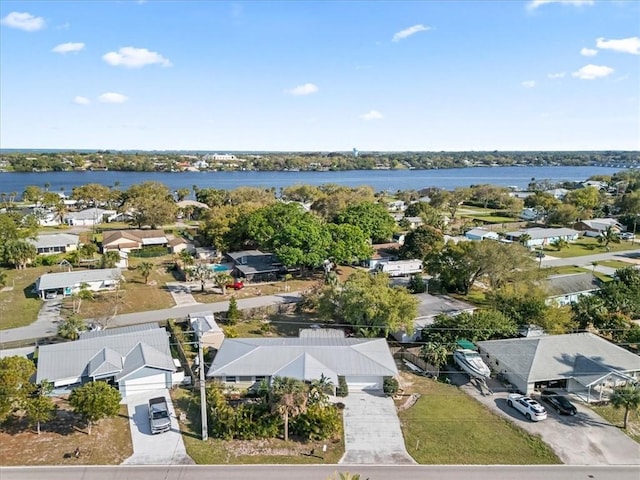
584 439
45 326
181 293
372 430
160 449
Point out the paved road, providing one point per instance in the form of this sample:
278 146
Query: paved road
46 326
324 472
587 260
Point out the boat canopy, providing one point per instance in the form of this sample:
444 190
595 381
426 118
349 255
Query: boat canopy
464 343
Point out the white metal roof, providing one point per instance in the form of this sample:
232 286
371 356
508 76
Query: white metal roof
54 281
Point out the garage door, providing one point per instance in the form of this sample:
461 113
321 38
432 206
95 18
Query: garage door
144 384
364 383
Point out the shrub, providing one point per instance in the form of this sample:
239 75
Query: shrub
317 423
390 386
417 284
343 388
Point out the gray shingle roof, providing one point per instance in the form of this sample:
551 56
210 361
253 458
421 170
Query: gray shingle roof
55 240
572 283
538 233
554 356
300 356
71 360
118 331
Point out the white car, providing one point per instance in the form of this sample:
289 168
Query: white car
527 406
626 235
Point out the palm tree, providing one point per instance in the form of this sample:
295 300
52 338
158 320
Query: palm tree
145 269
289 399
320 389
222 279
524 239
560 243
435 354
74 257
83 294
71 328
110 259
186 258
608 236
627 397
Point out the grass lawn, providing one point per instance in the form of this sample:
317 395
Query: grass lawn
267 451
615 264
19 306
108 444
563 270
490 218
446 426
476 296
616 417
588 246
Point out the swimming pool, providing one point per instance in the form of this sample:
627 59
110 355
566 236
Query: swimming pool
216 267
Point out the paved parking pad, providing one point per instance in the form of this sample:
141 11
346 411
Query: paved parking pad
372 430
160 449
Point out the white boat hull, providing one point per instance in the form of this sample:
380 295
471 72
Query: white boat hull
471 363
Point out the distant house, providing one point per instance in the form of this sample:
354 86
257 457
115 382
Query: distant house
136 359
580 363
396 206
567 289
129 240
382 253
414 222
54 243
481 234
363 362
557 193
539 237
596 226
178 244
192 204
206 328
529 214
68 283
89 217
254 265
429 308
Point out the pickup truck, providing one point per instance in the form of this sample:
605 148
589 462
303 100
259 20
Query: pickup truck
159 415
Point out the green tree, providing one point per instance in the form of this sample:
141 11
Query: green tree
417 284
435 354
608 236
372 218
202 273
289 399
186 258
522 303
40 408
524 239
73 257
95 401
627 397
71 327
82 294
564 214
370 305
20 253
421 243
182 193
149 203
233 313
110 259
221 280
32 193
145 269
486 324
15 387
585 199
348 244
92 194
560 243
88 250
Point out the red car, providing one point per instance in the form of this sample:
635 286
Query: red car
237 285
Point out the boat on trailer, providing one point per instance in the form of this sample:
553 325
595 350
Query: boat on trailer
470 361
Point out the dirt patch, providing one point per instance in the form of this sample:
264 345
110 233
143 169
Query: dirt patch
64 441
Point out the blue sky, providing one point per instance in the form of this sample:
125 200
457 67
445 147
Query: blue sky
325 75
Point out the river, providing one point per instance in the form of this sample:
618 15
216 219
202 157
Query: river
380 180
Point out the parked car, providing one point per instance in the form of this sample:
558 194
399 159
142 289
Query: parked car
559 402
527 406
50 294
626 235
237 285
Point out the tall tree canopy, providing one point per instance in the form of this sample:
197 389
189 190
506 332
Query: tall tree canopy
372 218
150 203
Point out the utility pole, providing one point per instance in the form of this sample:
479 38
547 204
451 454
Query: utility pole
203 393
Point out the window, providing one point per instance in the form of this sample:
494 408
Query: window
230 379
246 379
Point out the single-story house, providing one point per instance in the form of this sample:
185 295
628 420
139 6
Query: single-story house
481 234
178 244
128 240
382 253
567 289
539 237
206 328
580 363
254 265
55 243
68 283
429 308
363 362
530 214
396 206
135 359
557 193
414 222
90 216
596 226
191 204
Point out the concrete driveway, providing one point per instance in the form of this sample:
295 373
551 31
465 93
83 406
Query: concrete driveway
181 293
45 326
584 439
372 430
160 449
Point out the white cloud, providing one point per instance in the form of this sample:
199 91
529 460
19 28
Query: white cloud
529 84
23 21
588 52
591 72
555 76
68 47
407 32
372 115
625 45
112 97
80 100
306 89
132 57
533 4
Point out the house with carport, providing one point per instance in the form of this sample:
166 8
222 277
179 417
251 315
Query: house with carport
363 362
481 234
54 243
68 283
597 226
89 217
135 359
130 240
583 363
541 237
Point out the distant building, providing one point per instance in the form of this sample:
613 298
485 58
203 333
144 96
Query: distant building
355 152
